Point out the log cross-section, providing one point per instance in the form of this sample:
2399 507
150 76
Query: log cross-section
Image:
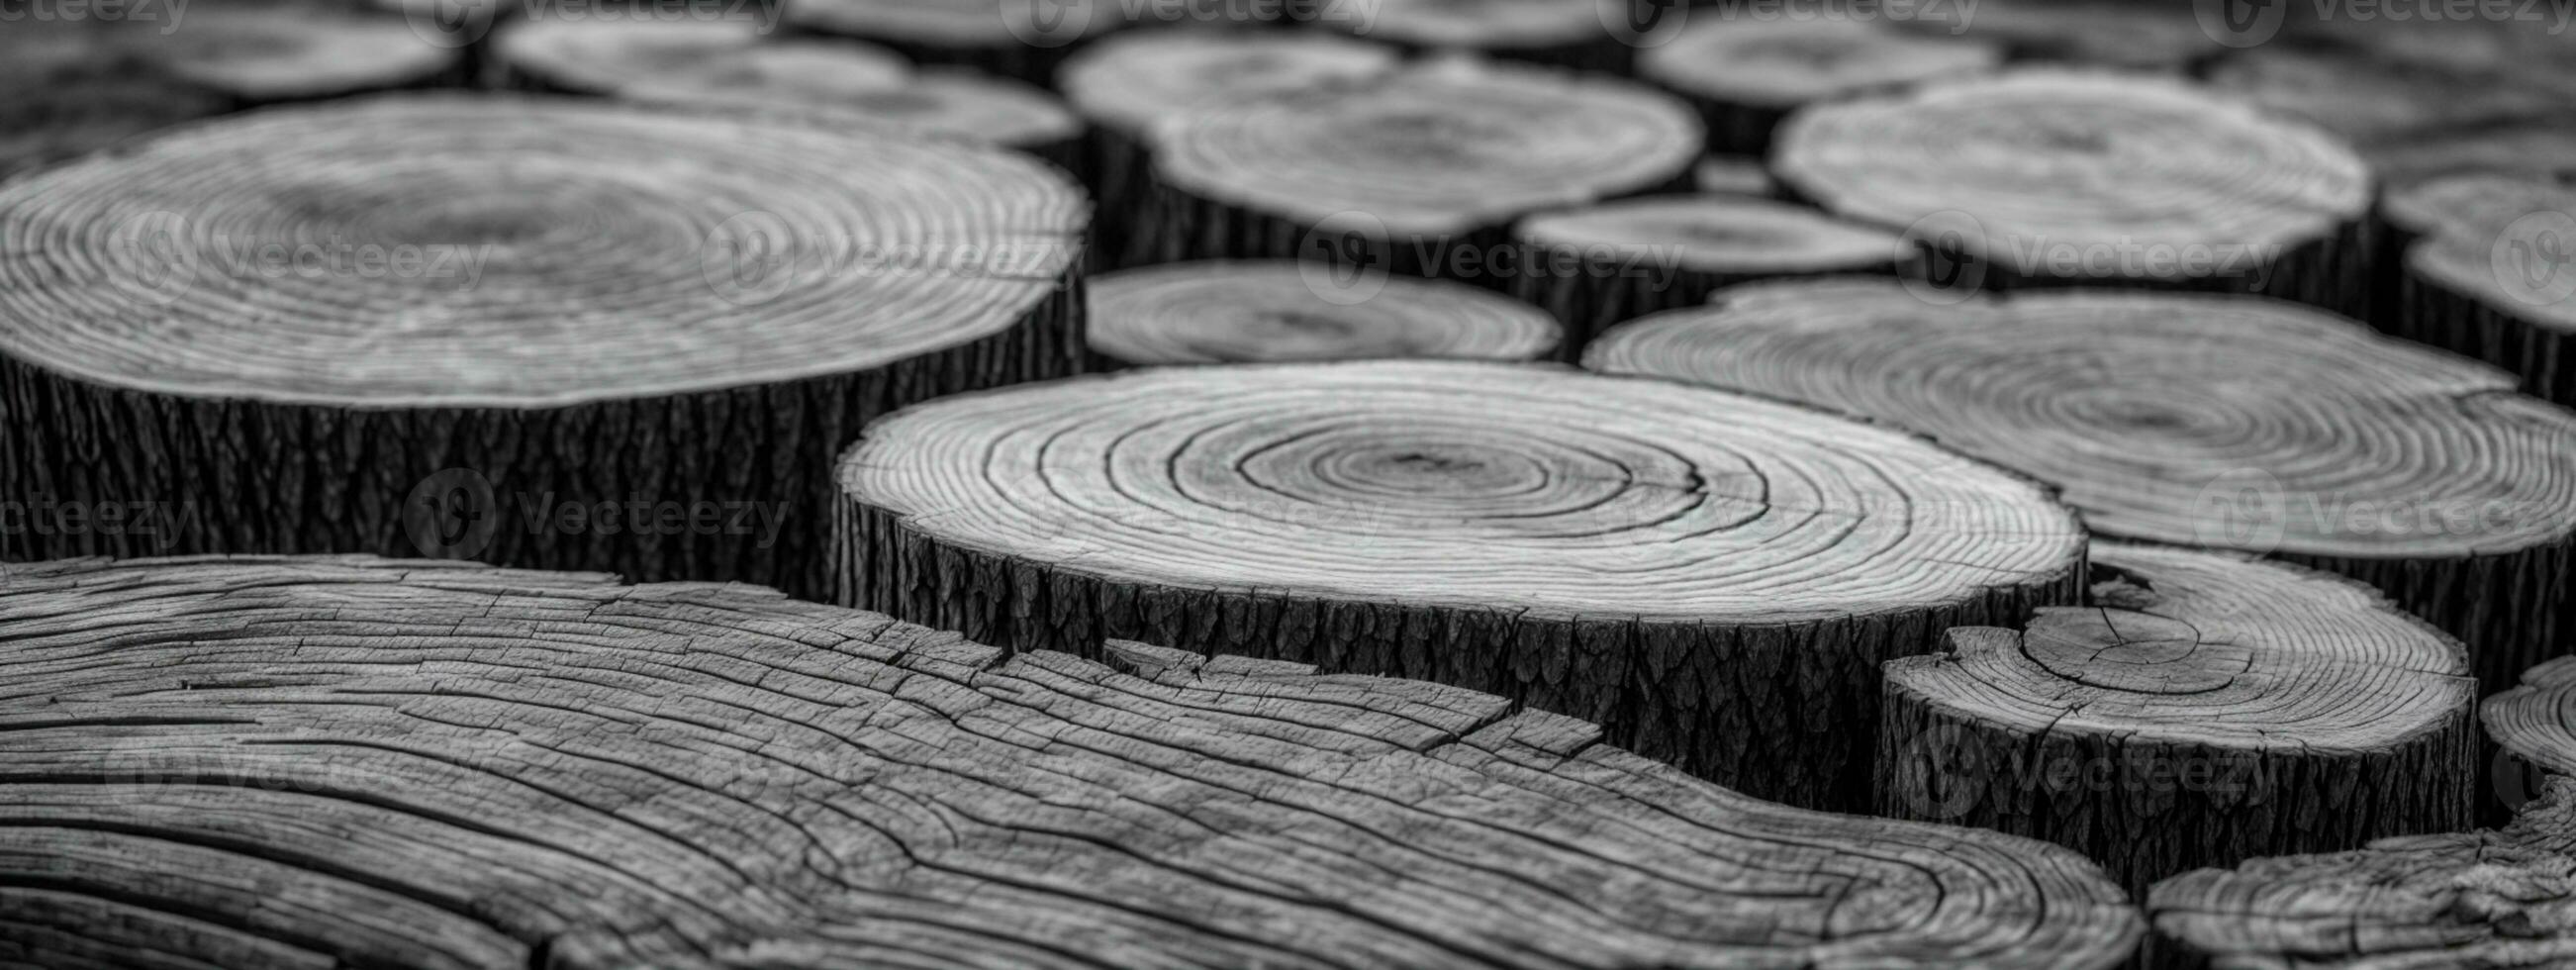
1265 311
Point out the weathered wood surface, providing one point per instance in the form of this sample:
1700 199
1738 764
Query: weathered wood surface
2126 34
580 333
2490 271
1589 35
256 54
2466 901
1714 578
2220 421
727 60
1023 39
1419 171
2535 723
1267 311
360 762
1597 266
1129 82
1745 76
74 90
2201 709
2057 176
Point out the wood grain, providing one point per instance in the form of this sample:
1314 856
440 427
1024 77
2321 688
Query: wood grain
1270 311
2490 272
1745 75
255 54
1023 39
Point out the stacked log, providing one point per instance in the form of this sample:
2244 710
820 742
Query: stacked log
1272 311
453 326
264 54
1746 75
2227 422
2490 272
2201 710
2033 177
1713 578
1023 39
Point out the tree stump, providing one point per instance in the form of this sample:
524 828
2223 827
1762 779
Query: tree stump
2534 725
1417 172
263 54
1220 312
1746 75
1588 35
464 327
1713 578
2201 710
2042 176
1595 267
2226 422
1128 83
2105 33
1023 39
717 60
73 90
404 764
2493 898
2491 273
1737 174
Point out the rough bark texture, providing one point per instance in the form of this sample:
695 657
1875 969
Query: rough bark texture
2488 273
1128 83
2044 177
1599 266
379 763
1746 76
2486 899
1715 581
254 55
1266 311
2202 709
2226 422
628 337
1028 40
1417 172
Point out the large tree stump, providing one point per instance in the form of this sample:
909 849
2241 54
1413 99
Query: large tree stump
2201 710
1264 311
2491 273
483 327
1597 266
1418 171
2042 176
1128 83
362 762
1745 75
274 53
73 89
1589 35
1713 578
1023 39
2495 898
2227 422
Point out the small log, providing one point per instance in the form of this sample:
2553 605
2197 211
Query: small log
1714 578
276 53
2041 176
726 60
1023 39
2107 33
2491 273
2493 898
1129 82
1745 75
1266 311
74 90
1587 35
2203 709
1736 174
1598 266
450 326
2218 421
397 764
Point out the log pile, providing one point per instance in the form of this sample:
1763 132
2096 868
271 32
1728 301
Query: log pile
1745 76
1713 578
1272 311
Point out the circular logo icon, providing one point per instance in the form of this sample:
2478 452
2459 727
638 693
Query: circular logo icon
2240 23
451 514
750 259
1046 23
1945 257
2242 509
450 23
151 258
1941 773
2531 258
1343 259
1643 23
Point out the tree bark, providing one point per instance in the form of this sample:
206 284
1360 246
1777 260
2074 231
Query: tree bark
2487 274
1271 311
255 55
569 369
2044 177
2200 710
1416 172
1126 84
2472 899
1715 581
2197 420
1027 40
1599 266
1746 75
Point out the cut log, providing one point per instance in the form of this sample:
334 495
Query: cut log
1597 266
1128 83
1023 39
2108 33
264 54
2042 176
2491 273
343 329
1589 35
2494 898
1221 312
2201 710
1737 174
1745 75
74 90
360 762
1418 172
1713 578
718 60
2534 724
2227 422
